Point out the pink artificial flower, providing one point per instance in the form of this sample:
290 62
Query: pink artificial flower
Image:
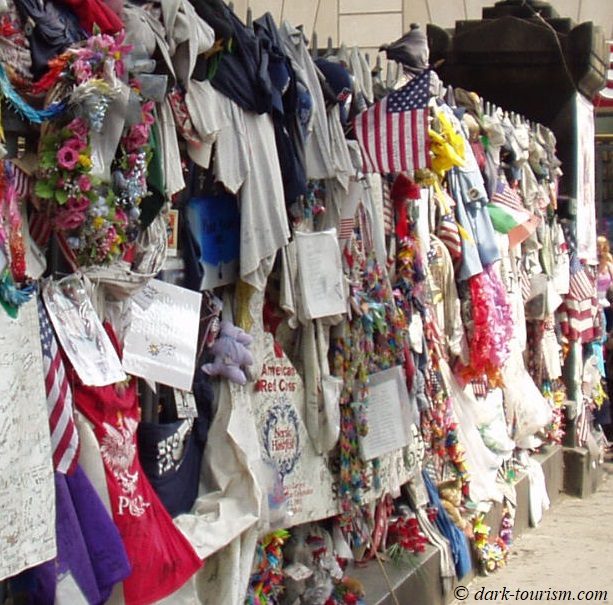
76 143
137 137
101 42
79 205
121 218
82 70
147 113
79 128
67 219
67 158
84 183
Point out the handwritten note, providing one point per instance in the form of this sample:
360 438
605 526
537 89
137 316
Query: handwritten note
387 414
160 344
27 492
321 274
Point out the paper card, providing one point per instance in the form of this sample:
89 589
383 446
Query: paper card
27 500
173 232
81 333
161 341
145 297
387 414
185 403
321 274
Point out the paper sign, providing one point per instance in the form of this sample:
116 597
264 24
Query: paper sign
387 414
161 341
320 273
80 332
185 404
27 490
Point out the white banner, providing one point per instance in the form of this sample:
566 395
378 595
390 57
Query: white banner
27 492
586 185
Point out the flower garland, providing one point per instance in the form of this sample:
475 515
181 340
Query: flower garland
99 220
130 176
14 289
80 205
492 328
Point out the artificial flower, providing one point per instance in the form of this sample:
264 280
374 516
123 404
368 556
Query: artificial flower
137 137
82 70
67 158
67 219
78 127
84 183
79 204
76 143
148 108
85 162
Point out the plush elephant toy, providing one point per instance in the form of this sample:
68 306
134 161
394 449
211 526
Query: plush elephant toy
231 354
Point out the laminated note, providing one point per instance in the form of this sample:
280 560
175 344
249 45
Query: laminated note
388 414
161 342
81 333
27 490
321 274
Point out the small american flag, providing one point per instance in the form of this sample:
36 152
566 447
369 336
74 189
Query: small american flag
346 228
507 196
580 285
449 234
393 133
64 436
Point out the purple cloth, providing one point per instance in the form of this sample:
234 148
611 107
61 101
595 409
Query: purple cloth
104 561
88 546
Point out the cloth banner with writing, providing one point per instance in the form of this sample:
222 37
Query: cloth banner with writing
27 492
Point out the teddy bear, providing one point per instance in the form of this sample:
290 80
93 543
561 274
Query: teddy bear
231 354
451 498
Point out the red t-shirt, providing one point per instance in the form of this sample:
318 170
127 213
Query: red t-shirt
162 558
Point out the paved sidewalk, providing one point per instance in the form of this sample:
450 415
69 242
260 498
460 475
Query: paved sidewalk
568 558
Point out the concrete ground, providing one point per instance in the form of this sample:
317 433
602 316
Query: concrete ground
567 558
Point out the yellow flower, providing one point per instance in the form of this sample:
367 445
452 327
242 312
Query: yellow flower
85 161
98 222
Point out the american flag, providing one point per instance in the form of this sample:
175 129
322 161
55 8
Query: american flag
581 287
64 436
449 234
346 228
393 133
507 196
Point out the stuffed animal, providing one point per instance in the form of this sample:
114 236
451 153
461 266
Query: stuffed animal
231 354
451 499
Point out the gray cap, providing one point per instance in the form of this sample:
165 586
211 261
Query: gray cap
411 50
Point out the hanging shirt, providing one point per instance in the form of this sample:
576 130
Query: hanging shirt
161 557
318 153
